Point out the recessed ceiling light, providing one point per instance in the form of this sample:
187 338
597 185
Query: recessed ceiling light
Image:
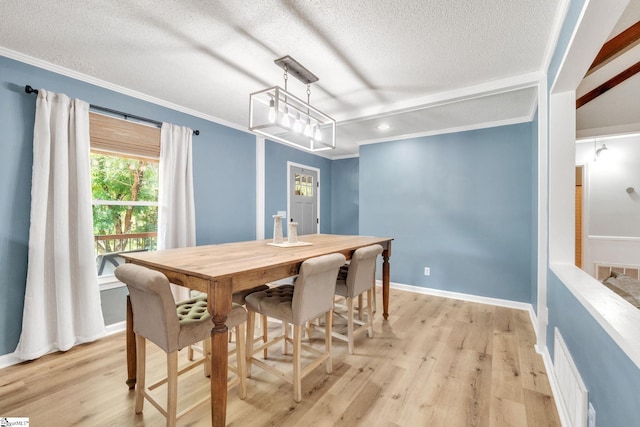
383 126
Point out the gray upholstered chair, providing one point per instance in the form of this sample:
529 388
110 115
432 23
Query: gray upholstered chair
171 326
359 278
237 298
311 297
240 297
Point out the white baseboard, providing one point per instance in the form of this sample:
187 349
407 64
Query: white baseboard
115 328
464 297
553 382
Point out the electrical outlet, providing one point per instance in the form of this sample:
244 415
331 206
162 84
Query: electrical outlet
427 271
591 416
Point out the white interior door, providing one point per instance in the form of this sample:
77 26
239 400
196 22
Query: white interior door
303 198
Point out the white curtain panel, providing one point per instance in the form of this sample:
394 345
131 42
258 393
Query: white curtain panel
62 298
176 207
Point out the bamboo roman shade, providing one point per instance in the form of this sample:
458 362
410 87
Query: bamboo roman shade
113 135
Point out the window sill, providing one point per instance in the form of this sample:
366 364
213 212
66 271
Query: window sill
109 282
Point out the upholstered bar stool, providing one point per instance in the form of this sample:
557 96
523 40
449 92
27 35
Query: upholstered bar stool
171 327
241 298
237 298
196 309
360 278
311 297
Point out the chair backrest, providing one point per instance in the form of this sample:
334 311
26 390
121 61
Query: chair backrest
315 287
362 270
153 306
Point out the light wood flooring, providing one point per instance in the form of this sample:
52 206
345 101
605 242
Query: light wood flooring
435 362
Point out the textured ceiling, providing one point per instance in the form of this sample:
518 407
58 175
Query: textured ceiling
380 59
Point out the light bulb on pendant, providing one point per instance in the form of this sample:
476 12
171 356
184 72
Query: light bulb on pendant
317 135
307 129
297 124
272 112
286 122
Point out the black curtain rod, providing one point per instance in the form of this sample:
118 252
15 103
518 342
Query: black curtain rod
29 89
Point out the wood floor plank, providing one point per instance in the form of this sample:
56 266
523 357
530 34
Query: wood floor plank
537 404
435 362
506 412
507 374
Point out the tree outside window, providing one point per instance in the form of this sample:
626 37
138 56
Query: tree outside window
125 206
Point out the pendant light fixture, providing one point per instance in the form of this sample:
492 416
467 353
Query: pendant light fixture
280 116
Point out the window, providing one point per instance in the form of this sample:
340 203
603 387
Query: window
124 185
304 185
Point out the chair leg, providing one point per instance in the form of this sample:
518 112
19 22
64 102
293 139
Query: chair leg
285 342
241 359
350 315
141 366
265 352
297 348
375 302
360 304
172 388
328 324
251 317
370 292
190 352
307 329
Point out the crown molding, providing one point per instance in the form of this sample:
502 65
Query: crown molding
67 72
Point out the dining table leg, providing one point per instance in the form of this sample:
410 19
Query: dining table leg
219 306
386 254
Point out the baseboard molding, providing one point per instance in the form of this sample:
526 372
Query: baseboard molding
464 297
553 382
115 328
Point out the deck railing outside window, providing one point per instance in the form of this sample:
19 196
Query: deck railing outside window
108 248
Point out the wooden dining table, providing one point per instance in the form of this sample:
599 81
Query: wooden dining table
220 270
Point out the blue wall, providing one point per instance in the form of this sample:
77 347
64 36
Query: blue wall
345 196
460 204
224 176
612 379
224 169
276 158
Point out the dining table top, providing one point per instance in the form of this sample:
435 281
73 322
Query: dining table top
238 259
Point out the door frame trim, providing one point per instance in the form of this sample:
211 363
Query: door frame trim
317 170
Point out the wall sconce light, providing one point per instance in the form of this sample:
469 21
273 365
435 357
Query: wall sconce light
602 151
